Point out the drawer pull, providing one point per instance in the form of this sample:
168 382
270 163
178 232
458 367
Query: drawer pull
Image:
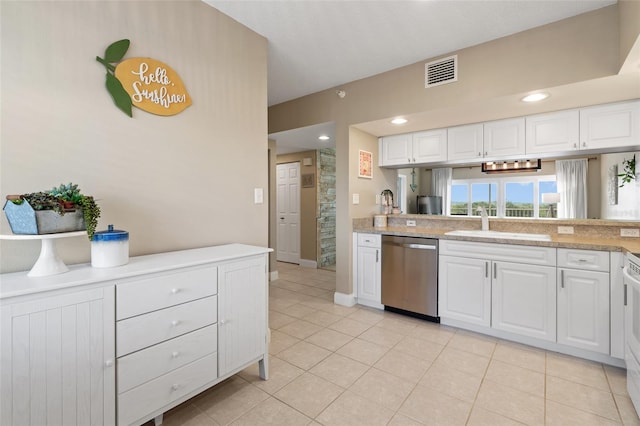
108 363
174 323
175 387
582 260
175 290
175 354
223 322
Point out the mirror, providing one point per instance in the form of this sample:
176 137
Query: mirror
605 198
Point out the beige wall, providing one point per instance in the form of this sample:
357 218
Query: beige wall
173 182
308 204
629 15
577 53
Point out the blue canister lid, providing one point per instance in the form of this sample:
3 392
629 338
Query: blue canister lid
111 235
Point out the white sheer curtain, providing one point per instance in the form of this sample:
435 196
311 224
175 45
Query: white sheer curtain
441 185
571 177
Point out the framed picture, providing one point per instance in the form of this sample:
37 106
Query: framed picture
365 165
307 180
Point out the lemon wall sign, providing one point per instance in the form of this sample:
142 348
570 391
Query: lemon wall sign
145 83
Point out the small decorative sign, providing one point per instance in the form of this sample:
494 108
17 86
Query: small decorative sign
145 83
365 164
307 180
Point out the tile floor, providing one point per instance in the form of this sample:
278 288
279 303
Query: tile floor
333 365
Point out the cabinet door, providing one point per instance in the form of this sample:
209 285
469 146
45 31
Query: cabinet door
524 299
430 146
369 273
396 150
465 142
242 313
551 133
464 290
583 309
57 359
610 126
504 138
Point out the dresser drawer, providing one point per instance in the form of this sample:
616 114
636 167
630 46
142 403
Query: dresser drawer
370 240
140 367
149 397
590 260
146 330
139 297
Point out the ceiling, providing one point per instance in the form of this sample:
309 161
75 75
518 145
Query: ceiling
314 45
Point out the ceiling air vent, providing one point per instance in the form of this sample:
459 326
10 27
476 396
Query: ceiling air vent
442 71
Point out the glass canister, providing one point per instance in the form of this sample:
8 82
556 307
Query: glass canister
110 248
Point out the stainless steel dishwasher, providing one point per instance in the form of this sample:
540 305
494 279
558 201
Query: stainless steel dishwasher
410 275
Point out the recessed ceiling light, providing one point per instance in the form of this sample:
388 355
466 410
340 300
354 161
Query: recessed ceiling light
535 97
399 120
323 138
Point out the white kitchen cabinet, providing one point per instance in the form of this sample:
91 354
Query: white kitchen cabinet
368 270
414 148
465 142
242 318
552 133
583 299
464 289
504 138
58 359
610 126
502 286
524 299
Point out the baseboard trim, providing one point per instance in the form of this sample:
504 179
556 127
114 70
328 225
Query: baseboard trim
344 299
308 263
273 275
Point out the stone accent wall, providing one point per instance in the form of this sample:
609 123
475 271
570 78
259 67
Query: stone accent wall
327 206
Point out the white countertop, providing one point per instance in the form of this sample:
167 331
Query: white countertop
19 284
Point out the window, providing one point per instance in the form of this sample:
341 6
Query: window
503 197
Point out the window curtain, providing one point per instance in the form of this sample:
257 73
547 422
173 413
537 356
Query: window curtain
571 177
441 186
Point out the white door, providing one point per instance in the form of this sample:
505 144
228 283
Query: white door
524 299
242 313
465 142
610 126
395 150
504 138
288 212
553 132
430 146
583 309
369 274
464 290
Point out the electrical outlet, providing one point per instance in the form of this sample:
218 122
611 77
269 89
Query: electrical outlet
630 232
411 223
565 230
355 198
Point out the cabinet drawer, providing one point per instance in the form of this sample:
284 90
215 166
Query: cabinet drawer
146 330
140 367
532 255
583 259
139 297
370 240
145 399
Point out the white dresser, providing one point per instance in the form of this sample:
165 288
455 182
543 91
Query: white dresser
123 345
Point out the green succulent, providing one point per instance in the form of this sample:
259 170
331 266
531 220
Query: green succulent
69 192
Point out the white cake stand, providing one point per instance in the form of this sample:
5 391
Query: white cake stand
48 263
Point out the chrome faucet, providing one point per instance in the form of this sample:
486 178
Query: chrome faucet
484 217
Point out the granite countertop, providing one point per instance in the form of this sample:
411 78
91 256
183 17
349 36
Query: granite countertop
561 241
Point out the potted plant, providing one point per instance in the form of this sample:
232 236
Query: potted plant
629 172
62 209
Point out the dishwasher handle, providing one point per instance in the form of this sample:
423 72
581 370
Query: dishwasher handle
414 246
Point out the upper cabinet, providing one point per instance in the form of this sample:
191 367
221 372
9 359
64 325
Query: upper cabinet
601 128
465 142
553 132
610 126
504 138
414 148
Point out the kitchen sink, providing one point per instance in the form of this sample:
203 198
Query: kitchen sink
499 234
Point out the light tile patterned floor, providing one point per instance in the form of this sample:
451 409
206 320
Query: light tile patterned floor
333 365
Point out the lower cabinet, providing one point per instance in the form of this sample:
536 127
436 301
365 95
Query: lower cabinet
465 289
524 299
58 360
584 300
368 269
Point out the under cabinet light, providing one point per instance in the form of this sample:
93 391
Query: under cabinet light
512 166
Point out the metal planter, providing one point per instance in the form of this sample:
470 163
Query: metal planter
23 219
